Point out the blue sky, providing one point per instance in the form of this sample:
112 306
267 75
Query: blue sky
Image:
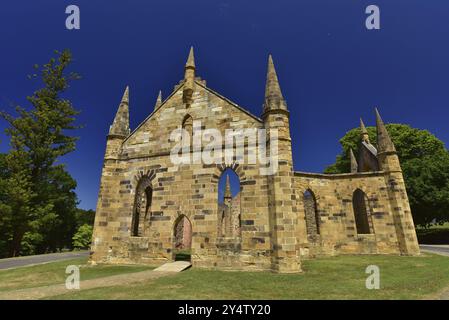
332 69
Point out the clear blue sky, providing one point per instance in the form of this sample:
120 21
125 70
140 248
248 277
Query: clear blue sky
332 70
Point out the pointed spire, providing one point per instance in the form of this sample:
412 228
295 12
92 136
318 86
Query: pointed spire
384 143
273 95
189 78
365 136
272 88
227 193
362 127
125 98
191 59
354 164
120 126
158 100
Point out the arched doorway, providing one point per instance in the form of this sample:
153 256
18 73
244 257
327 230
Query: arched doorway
182 238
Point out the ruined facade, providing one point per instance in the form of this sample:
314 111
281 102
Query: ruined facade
275 221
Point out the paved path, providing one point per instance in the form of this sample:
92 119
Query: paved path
11 263
176 266
434 248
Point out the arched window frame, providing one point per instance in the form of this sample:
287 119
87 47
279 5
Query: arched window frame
236 233
316 228
362 212
144 189
187 124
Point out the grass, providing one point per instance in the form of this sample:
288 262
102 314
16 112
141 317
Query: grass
327 278
54 273
435 234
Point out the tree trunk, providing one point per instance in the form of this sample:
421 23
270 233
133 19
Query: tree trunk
16 244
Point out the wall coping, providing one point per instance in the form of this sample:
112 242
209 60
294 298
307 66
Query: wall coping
339 175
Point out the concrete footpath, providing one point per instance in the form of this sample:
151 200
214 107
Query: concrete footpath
442 249
11 263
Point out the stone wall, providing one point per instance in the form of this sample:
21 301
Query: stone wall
334 200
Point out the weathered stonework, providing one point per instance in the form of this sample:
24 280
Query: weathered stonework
143 195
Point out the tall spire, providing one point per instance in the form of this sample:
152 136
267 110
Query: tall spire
384 143
191 59
120 126
354 164
365 136
227 193
125 98
158 100
189 78
273 95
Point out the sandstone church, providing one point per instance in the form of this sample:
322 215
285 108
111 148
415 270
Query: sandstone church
149 208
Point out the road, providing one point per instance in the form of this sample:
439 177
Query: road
10 263
434 248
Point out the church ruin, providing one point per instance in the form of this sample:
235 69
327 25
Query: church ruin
148 206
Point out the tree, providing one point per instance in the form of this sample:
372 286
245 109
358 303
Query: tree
425 165
17 212
83 237
39 194
84 217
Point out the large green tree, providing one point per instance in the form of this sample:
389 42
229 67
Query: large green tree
425 165
38 196
82 238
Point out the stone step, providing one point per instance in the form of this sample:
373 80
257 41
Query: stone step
176 266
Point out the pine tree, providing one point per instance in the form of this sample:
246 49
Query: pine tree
39 194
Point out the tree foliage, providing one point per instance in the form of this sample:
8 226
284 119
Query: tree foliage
425 165
82 238
37 198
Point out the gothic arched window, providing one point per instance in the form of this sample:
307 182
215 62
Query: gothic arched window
229 204
311 211
142 206
362 215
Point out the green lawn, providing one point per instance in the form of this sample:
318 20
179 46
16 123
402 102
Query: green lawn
54 273
327 278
